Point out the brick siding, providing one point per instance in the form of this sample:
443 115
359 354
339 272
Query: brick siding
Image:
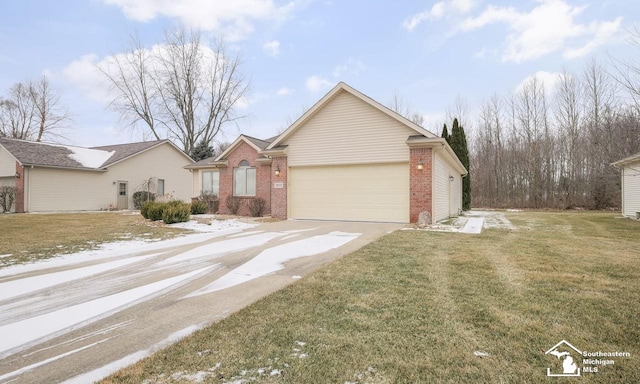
421 183
279 195
263 179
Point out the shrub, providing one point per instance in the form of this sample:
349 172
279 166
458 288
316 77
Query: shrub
152 210
211 199
257 206
199 207
141 197
7 197
233 204
176 212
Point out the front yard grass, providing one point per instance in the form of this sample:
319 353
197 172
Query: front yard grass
28 237
414 306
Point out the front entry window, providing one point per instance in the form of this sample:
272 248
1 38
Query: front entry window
210 182
244 180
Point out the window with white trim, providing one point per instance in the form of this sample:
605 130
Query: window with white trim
210 182
160 187
244 180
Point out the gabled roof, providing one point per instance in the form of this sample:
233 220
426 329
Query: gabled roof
55 155
125 151
31 153
627 160
256 144
343 87
207 163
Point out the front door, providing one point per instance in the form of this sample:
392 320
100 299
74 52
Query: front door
123 195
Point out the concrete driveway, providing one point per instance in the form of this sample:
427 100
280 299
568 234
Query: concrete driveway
79 319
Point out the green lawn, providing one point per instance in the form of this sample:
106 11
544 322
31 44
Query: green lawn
414 306
27 237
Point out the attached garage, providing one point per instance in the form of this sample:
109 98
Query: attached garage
350 158
370 192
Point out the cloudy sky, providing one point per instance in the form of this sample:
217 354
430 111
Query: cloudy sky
428 52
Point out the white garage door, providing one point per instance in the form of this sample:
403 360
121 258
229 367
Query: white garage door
378 192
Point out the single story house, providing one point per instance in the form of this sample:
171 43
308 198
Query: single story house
55 177
347 158
630 167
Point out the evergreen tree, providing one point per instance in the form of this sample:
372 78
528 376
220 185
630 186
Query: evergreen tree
458 142
445 134
202 151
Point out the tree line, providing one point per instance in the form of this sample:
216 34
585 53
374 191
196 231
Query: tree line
551 147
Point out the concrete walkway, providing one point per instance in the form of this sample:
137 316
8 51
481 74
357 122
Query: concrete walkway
473 225
80 319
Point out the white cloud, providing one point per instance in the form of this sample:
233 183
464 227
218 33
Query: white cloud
316 83
603 33
84 74
233 18
547 28
352 66
438 11
284 91
272 48
548 80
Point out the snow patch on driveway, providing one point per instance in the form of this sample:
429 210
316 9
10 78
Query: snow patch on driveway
272 260
25 332
30 284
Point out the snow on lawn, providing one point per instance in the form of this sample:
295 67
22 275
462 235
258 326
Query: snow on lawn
213 226
272 260
24 332
123 248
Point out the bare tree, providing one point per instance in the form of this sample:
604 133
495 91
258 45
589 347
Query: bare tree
402 107
627 72
183 89
33 111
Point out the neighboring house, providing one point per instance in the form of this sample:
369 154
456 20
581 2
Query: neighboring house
55 177
347 158
630 167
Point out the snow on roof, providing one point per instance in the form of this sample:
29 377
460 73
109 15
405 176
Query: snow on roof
89 158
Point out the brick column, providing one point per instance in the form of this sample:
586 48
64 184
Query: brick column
421 182
19 202
279 195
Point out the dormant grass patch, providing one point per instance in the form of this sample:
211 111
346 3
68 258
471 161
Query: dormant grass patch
29 237
431 307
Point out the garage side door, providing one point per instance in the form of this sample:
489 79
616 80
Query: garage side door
378 192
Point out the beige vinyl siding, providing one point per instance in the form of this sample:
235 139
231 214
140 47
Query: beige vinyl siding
53 189
161 162
441 189
376 192
456 195
68 190
197 182
7 163
447 194
631 190
348 131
